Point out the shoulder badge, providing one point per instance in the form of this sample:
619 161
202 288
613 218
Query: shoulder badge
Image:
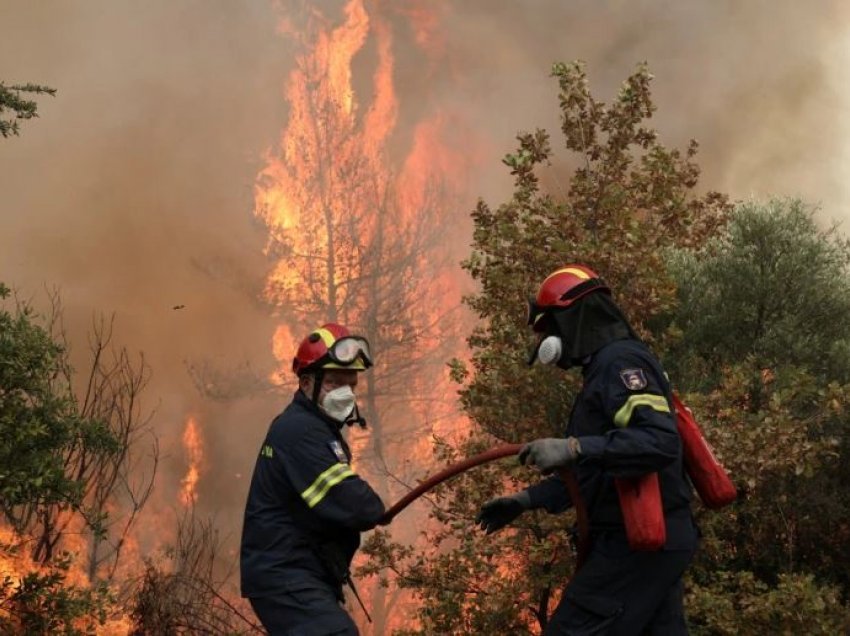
634 379
338 450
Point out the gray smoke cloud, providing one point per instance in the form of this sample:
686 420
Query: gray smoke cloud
761 85
133 192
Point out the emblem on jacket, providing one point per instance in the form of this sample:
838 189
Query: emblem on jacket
337 449
634 379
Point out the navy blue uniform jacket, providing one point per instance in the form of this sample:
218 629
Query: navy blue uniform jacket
623 420
304 500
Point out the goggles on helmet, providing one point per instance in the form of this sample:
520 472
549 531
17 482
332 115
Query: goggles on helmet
346 350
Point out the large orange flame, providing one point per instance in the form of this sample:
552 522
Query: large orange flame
330 154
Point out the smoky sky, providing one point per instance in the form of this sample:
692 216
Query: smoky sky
133 191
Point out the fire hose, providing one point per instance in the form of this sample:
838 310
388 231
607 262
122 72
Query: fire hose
640 497
498 452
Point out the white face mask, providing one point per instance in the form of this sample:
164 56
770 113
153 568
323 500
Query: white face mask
339 403
550 349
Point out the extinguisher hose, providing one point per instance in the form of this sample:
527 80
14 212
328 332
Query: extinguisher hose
447 473
498 452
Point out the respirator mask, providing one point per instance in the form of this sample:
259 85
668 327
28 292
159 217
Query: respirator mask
548 351
339 404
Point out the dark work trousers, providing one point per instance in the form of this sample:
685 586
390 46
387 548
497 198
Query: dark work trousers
312 610
619 592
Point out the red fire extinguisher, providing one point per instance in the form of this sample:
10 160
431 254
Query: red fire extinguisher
643 512
708 476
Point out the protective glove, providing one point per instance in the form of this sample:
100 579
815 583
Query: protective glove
550 453
499 512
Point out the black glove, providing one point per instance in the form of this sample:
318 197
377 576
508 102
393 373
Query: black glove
550 453
499 512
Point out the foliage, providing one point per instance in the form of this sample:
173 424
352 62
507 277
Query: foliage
73 449
37 423
628 200
767 359
44 601
774 287
786 457
11 100
751 318
740 603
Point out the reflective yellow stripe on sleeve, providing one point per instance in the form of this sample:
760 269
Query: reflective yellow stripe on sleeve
655 402
324 482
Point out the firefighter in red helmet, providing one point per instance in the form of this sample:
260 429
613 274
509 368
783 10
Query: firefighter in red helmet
621 426
306 507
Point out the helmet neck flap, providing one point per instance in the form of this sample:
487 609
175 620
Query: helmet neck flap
586 326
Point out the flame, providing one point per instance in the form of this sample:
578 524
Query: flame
16 563
194 449
329 152
319 193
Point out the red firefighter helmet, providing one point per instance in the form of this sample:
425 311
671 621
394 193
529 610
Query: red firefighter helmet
332 346
561 289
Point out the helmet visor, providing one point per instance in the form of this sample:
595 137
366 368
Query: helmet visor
346 350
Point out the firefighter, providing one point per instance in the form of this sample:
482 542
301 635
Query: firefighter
306 507
621 425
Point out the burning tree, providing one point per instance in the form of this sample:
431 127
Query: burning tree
358 237
627 201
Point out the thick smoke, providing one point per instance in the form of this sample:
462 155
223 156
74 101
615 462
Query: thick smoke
761 85
133 192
